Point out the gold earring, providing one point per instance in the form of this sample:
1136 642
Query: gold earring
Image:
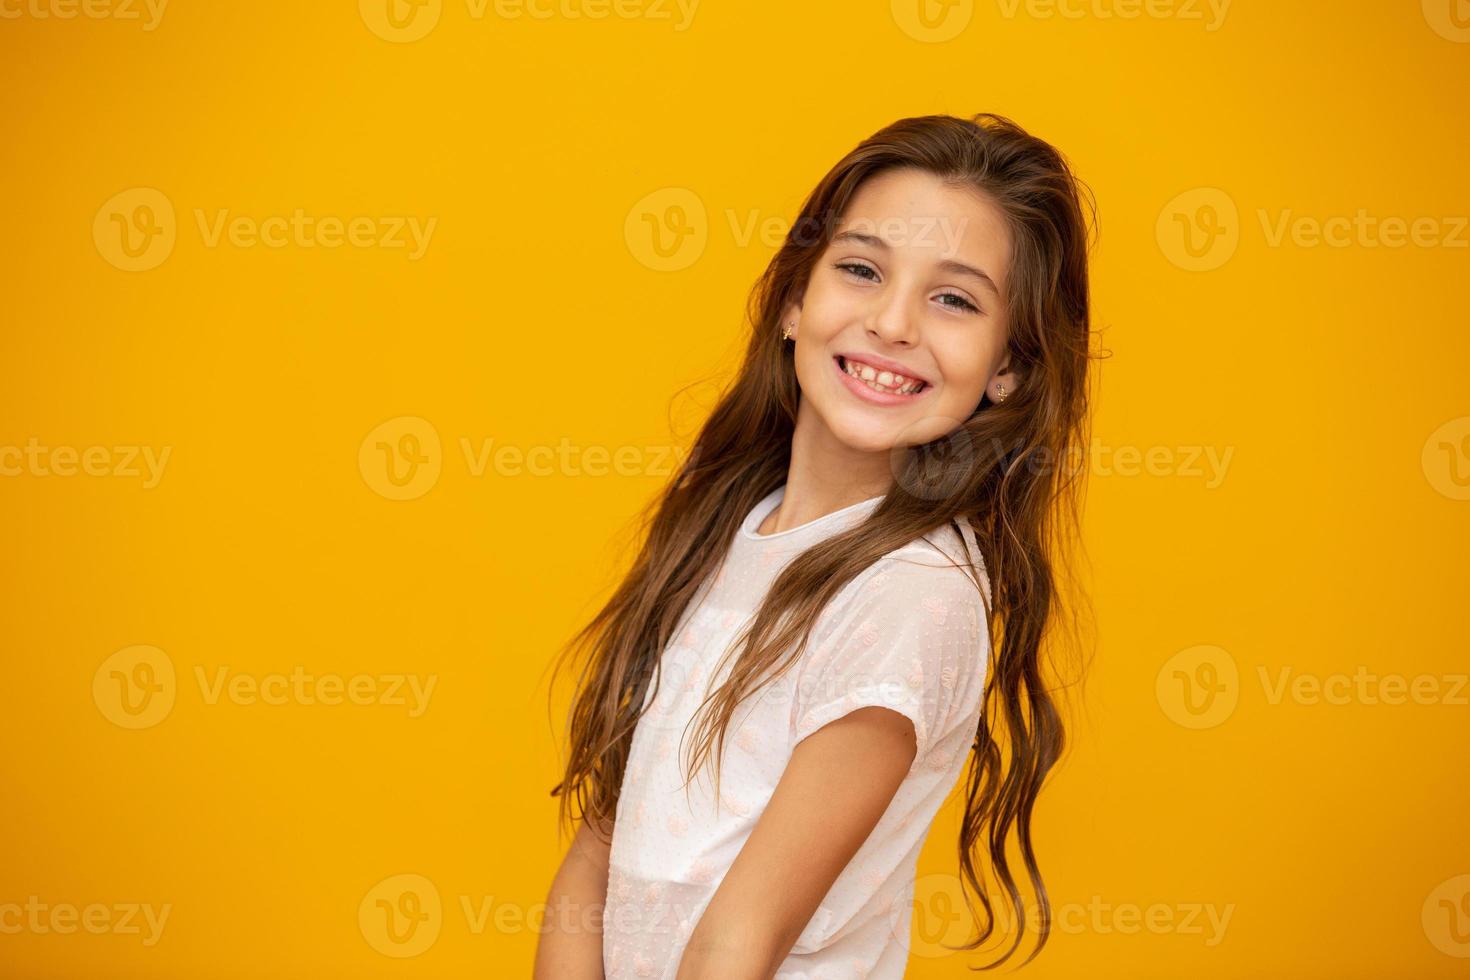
1000 393
786 330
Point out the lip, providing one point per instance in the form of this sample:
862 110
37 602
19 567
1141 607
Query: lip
876 397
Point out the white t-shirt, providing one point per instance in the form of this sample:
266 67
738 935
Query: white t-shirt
906 633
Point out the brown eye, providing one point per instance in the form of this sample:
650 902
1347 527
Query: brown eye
964 304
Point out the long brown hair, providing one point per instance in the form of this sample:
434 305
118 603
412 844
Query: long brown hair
1007 469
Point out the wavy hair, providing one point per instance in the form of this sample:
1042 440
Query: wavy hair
1006 469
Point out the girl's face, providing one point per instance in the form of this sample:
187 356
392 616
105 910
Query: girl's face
912 284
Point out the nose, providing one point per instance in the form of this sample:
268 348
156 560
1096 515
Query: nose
891 319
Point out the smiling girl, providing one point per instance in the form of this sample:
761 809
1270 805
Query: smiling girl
842 600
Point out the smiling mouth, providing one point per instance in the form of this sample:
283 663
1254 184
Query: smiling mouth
896 384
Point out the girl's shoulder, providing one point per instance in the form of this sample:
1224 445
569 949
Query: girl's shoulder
930 573
942 559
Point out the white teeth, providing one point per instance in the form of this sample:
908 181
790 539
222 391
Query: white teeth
885 381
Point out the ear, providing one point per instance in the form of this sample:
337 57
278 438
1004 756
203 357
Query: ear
790 317
1004 376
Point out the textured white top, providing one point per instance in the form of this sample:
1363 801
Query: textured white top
907 633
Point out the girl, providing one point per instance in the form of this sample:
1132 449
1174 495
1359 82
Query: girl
871 509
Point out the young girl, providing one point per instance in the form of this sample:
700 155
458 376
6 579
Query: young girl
871 510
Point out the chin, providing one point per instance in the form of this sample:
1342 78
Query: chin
865 438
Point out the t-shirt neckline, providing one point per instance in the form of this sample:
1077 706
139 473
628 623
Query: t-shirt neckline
773 500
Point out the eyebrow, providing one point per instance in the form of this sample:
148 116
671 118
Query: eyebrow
948 265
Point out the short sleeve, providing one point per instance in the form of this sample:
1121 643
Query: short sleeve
909 637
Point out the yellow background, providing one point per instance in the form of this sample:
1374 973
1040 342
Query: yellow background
541 315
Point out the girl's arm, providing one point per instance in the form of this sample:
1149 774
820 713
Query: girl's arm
570 947
834 790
